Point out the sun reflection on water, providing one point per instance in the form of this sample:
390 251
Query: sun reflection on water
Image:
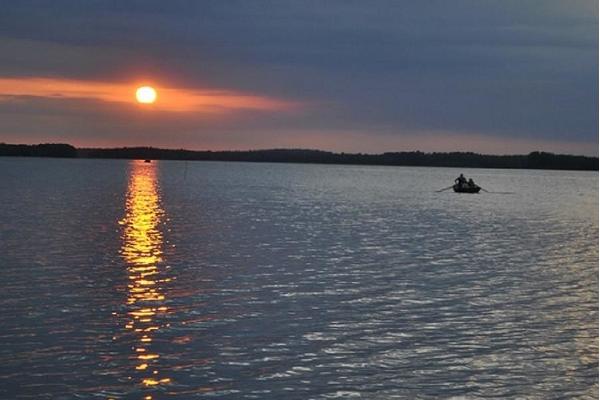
142 250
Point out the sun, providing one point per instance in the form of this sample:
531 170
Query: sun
145 94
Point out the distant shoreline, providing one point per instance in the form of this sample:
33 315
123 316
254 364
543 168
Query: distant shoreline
534 160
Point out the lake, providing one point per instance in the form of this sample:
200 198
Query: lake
131 280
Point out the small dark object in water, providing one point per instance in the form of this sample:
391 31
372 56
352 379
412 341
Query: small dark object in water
147 160
458 188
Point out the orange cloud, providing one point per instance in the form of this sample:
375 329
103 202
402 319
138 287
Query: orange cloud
170 99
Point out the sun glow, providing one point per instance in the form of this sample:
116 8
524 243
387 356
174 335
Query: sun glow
172 99
145 95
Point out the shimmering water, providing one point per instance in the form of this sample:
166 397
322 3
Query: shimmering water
182 280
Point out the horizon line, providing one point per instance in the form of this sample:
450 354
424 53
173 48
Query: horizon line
298 149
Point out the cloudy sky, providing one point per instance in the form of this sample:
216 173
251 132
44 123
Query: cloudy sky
361 76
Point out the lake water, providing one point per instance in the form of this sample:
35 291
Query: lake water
131 280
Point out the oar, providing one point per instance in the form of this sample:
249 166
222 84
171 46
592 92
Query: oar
441 190
487 191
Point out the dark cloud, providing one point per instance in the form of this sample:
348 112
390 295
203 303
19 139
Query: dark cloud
505 69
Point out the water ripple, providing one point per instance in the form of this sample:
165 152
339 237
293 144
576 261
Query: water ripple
263 282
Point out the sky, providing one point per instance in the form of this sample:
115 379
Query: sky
495 77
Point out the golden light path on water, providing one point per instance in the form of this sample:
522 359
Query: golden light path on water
142 250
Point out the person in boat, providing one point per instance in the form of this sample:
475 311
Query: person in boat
461 180
471 184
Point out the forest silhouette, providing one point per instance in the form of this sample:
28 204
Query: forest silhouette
533 160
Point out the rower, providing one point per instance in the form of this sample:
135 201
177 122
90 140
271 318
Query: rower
461 180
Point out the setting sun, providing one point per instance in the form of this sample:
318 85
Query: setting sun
145 94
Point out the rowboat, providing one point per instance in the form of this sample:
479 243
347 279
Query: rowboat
458 188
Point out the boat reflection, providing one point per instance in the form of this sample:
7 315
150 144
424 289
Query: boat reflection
142 250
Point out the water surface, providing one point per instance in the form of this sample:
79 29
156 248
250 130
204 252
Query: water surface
132 280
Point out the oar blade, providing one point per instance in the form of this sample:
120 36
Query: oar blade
441 190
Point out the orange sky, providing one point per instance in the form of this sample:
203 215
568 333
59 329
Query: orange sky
185 112
170 99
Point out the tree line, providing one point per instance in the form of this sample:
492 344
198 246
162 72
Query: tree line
534 160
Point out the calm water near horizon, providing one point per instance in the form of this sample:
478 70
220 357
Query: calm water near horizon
131 280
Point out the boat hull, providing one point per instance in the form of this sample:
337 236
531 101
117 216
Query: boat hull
466 189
